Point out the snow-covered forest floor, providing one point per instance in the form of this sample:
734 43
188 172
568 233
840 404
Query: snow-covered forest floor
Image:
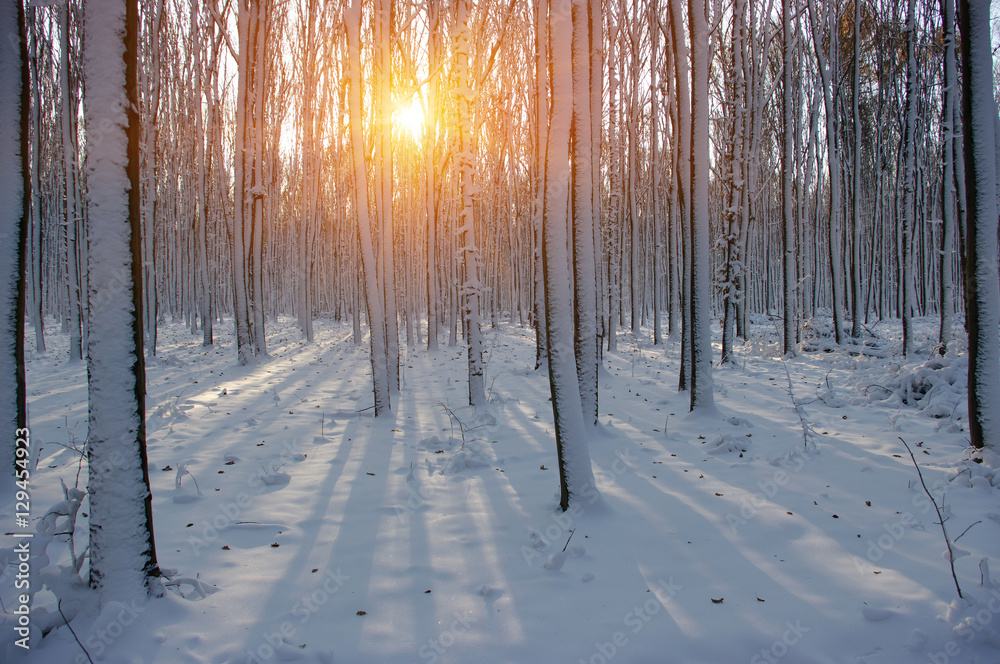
791 527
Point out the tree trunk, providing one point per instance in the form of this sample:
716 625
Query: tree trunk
122 551
908 219
857 287
979 113
583 212
787 179
576 481
373 290
470 251
70 220
682 132
15 206
702 396
948 203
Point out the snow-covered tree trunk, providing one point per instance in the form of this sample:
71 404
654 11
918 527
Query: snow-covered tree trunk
150 207
71 223
948 193
258 186
205 300
682 132
37 298
857 304
908 219
656 220
632 188
597 136
373 289
789 267
15 201
836 204
383 190
576 479
583 212
122 553
240 228
310 165
702 395
614 203
430 200
735 174
979 111
541 132
472 287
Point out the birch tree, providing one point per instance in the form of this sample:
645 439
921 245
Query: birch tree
472 287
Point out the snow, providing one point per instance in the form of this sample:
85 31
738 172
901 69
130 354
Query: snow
716 540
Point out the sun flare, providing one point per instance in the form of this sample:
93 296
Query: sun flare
409 118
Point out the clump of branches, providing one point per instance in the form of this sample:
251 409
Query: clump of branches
463 428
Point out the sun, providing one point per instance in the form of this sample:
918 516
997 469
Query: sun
409 118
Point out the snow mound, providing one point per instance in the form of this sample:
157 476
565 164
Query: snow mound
875 613
728 444
164 415
936 388
471 455
275 479
434 443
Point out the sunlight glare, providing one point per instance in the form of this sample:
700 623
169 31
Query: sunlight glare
409 118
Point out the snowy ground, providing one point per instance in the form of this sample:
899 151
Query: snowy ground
323 535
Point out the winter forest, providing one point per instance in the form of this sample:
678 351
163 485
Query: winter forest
499 331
